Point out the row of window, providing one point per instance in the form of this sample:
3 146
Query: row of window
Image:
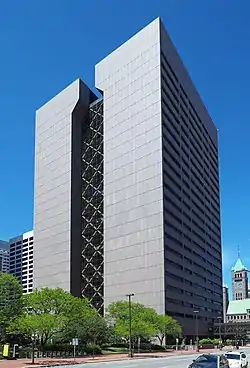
170 301
191 204
198 189
182 132
192 296
22 241
181 173
191 267
190 147
195 285
202 132
188 222
192 235
230 318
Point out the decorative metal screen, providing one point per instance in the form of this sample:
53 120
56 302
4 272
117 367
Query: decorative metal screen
92 207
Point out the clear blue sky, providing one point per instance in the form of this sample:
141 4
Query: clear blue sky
46 44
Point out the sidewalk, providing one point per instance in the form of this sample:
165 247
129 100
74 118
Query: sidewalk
21 363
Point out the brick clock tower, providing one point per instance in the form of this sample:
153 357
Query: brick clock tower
239 281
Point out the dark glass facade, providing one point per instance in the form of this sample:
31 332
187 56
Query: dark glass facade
192 238
92 206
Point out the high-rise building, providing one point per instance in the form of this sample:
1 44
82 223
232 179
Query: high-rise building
239 281
4 256
127 187
21 260
225 302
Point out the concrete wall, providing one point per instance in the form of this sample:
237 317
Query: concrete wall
133 202
53 185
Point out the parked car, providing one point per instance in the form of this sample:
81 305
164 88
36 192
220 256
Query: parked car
210 361
237 359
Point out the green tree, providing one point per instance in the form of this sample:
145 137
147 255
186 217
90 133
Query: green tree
11 304
56 314
90 327
143 320
167 326
46 314
55 301
44 326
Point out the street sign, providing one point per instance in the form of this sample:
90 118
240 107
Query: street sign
75 342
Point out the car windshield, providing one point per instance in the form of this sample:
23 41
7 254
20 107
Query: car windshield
233 356
206 361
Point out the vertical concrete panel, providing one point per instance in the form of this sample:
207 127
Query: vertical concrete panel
133 212
52 208
58 137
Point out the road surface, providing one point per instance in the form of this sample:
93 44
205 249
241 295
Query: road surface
179 361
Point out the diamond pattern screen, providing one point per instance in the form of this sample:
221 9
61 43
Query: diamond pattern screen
92 207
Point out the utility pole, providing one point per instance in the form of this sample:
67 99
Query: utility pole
220 346
197 329
130 324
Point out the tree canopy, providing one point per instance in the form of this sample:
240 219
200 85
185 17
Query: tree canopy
11 302
49 313
167 326
146 323
54 315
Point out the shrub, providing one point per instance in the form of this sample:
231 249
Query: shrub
155 347
206 341
93 349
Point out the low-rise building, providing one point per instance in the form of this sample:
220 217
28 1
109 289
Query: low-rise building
238 310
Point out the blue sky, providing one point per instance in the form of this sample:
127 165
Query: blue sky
47 44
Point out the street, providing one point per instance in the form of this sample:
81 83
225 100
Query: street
174 361
179 361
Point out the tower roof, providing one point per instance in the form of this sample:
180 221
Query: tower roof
238 266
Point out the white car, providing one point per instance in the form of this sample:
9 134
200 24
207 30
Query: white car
236 359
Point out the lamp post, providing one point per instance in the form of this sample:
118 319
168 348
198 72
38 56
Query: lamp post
130 324
220 345
196 329
34 337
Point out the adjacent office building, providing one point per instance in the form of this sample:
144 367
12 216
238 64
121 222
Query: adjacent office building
21 260
127 186
4 256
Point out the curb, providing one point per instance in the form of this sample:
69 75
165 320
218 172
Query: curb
93 361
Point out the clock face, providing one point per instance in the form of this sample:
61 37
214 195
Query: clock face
238 285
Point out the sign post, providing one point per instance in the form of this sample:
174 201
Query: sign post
75 343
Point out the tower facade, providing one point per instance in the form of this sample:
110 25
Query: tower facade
68 207
239 281
127 187
162 235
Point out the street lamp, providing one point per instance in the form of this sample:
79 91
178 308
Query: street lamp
219 318
197 329
34 337
130 324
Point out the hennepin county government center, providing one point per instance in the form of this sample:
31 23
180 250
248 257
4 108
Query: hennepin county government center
127 195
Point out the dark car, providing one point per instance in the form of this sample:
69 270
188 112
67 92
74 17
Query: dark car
210 361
